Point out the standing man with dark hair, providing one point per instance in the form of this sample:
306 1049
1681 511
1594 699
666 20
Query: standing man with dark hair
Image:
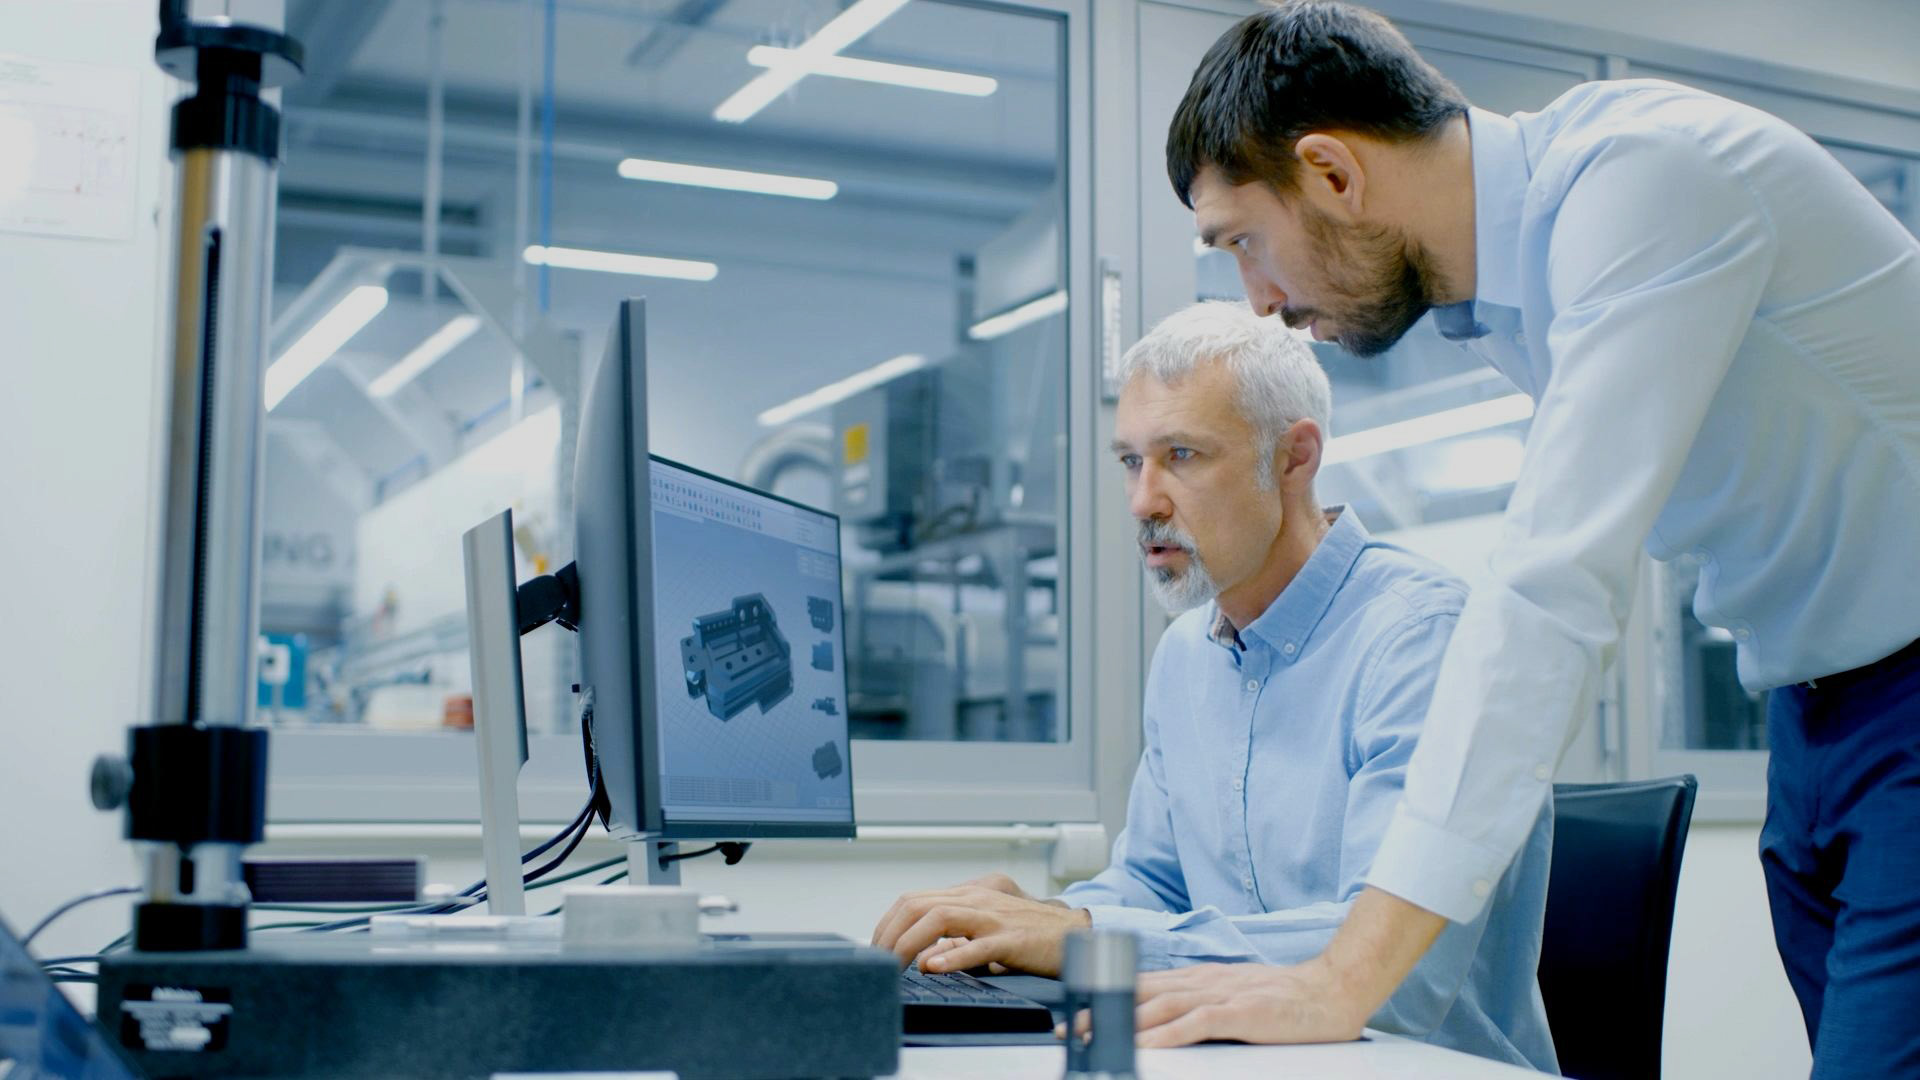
1719 328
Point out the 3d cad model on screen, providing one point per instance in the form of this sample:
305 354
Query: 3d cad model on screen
737 658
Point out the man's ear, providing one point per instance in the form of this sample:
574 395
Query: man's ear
1331 177
1296 461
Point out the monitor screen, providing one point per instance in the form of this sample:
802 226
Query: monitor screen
750 700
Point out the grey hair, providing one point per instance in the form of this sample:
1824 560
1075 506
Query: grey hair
1280 382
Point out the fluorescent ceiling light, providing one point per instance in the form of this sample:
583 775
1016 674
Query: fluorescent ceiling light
846 28
885 371
1008 321
424 355
874 71
614 262
668 172
1429 428
324 338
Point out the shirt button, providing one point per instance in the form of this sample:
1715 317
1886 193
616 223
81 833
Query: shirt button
1239 784
1542 773
1253 684
1483 888
1742 634
1288 648
1247 881
1520 340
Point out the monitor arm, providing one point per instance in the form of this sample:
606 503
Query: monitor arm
549 598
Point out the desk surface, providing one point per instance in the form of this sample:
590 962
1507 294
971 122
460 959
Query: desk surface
1386 1057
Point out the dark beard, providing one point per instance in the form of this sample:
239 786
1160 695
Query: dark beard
1382 283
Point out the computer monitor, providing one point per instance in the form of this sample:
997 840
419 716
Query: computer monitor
712 640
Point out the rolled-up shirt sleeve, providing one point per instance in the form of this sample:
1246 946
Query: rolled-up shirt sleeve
1648 310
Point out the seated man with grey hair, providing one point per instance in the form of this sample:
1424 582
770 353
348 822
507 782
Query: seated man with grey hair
1281 711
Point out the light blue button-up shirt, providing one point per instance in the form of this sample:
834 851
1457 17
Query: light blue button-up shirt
1272 765
1721 331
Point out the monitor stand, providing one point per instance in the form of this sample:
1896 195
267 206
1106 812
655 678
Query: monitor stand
500 722
499 705
645 865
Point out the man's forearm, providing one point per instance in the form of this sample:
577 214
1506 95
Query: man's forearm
1376 948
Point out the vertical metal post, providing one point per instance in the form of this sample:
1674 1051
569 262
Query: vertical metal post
197 792
436 148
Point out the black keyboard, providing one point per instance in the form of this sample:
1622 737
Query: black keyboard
959 1003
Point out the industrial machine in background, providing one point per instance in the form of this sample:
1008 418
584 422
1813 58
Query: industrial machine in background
949 478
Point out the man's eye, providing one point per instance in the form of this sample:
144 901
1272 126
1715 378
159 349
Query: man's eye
1180 453
1131 461
1238 242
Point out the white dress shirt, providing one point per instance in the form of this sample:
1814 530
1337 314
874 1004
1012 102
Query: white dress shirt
1721 331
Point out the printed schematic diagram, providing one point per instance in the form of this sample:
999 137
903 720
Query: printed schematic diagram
738 657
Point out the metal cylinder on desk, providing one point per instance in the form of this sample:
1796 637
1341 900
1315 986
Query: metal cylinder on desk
1099 972
195 781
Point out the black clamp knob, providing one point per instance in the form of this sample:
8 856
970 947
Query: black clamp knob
110 781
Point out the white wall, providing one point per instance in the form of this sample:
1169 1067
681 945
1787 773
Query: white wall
1730 1011
78 421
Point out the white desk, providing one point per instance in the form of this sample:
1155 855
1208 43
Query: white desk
1385 1057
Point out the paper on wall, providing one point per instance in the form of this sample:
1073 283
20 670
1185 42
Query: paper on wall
67 135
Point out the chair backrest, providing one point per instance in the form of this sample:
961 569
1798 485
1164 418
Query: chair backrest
1603 963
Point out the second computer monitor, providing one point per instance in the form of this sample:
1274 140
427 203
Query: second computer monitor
752 733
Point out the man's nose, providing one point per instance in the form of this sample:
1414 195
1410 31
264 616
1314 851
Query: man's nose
1148 500
1263 296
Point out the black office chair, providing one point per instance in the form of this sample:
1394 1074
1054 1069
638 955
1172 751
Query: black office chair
1603 964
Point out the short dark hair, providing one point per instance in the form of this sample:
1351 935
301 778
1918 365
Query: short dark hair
1293 69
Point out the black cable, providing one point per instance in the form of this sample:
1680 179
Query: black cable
27 941
477 891
66 961
732 851
565 853
580 823
323 909
582 872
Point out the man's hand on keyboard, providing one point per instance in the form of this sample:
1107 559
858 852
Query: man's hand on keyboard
990 920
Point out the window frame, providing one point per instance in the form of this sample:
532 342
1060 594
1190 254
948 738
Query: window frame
321 776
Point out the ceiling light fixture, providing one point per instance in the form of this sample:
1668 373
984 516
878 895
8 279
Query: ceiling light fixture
614 262
1013 319
424 355
875 71
1432 427
843 30
885 371
706 176
324 338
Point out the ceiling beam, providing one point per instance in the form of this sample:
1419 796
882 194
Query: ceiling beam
332 34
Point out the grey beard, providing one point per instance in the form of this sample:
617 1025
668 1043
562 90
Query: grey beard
1177 590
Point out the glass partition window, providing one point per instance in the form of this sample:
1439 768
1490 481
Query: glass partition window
850 225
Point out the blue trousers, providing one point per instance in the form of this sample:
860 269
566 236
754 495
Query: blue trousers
1841 851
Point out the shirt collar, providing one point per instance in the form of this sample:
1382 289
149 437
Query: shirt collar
1500 175
1290 620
